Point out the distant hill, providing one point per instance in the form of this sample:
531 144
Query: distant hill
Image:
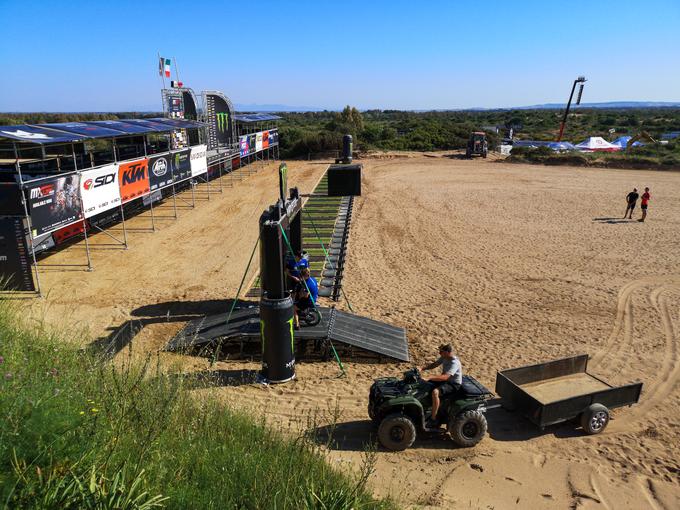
275 108
610 104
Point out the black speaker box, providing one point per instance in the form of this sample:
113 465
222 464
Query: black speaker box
344 180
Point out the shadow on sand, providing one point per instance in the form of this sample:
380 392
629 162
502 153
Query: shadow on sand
503 426
168 312
613 221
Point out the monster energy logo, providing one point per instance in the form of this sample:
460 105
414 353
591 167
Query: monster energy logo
222 121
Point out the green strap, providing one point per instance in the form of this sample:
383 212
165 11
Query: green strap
290 248
233 304
328 260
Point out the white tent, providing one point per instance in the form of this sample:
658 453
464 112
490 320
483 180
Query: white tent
597 143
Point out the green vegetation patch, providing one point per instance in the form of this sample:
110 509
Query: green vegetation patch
78 432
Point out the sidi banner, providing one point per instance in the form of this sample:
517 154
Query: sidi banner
15 265
99 190
181 165
133 179
54 203
199 160
160 172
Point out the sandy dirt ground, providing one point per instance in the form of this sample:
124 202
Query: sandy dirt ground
512 264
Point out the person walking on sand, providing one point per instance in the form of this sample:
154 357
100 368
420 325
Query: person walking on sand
644 203
631 200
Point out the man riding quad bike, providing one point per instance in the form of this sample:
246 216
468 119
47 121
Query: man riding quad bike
400 407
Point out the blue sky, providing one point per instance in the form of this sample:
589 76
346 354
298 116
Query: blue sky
102 55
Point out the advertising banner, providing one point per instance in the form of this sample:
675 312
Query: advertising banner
160 171
41 243
99 190
65 233
152 198
199 160
133 178
10 199
252 140
258 142
54 203
15 265
181 165
273 138
265 139
243 144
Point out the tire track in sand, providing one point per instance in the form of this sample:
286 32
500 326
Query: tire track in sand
670 368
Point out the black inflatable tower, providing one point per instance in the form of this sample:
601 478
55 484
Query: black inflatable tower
276 304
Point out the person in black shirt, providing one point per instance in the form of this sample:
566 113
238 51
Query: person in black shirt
631 199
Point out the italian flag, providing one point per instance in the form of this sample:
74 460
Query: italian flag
164 67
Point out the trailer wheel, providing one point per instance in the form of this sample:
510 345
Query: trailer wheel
468 428
595 419
396 432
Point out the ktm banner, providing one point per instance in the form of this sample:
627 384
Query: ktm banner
265 139
133 179
160 171
99 190
54 203
199 160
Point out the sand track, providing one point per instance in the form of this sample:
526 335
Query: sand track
512 264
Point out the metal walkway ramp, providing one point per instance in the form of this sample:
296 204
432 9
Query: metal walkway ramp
241 335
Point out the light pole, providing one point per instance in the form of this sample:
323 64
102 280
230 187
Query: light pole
582 80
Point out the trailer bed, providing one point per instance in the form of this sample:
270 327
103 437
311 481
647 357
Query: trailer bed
559 390
566 386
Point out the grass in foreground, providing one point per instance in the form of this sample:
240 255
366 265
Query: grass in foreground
75 432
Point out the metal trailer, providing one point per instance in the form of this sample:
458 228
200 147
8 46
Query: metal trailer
561 390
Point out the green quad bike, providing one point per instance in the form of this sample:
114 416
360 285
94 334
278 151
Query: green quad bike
400 407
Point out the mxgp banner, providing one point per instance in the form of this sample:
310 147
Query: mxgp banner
181 165
15 265
54 203
133 179
99 190
160 171
199 161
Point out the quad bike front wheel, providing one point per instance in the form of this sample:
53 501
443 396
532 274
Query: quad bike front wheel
468 428
396 432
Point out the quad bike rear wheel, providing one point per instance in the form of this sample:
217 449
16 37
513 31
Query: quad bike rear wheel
468 428
396 432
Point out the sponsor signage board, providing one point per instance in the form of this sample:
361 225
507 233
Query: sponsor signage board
133 179
265 139
252 140
243 145
258 141
15 265
199 160
10 199
181 165
160 171
54 203
99 190
152 197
